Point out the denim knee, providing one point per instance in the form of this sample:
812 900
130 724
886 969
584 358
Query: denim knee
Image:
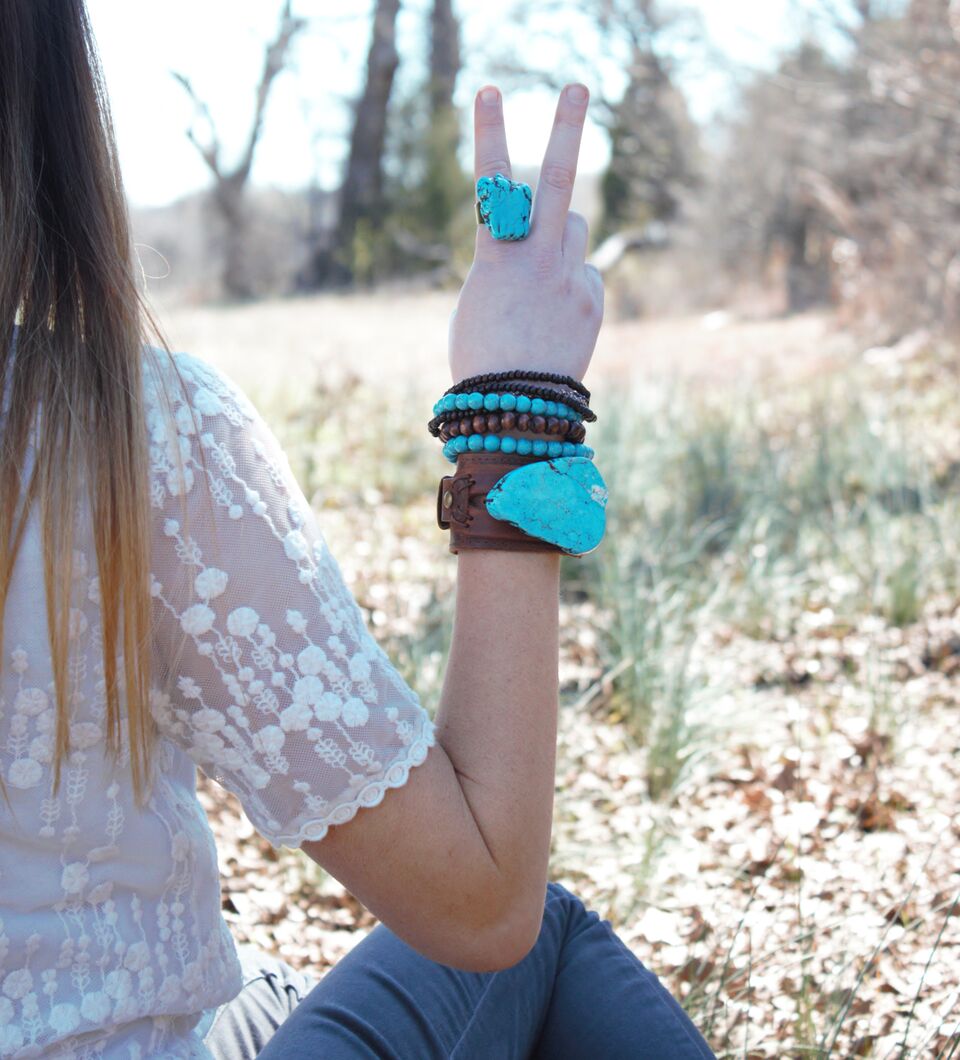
559 892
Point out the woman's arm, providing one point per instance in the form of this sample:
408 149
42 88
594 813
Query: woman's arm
455 860
497 719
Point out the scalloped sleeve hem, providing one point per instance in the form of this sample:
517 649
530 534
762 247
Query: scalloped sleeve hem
372 794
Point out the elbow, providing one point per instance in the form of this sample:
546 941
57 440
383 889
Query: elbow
510 938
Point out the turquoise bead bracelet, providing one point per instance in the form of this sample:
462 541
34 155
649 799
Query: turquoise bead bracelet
492 443
507 402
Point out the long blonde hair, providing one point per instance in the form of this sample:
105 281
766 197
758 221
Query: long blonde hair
67 276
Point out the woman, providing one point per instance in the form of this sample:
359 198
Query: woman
168 601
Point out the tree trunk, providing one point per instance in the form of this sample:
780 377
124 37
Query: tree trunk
444 55
444 180
361 193
228 189
232 214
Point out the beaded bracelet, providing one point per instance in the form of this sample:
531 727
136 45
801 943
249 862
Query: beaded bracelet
508 402
517 388
491 443
544 392
494 422
477 402
498 377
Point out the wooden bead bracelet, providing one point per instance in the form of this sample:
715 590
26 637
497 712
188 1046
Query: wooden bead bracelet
467 423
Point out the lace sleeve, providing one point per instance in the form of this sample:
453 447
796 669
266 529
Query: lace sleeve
266 674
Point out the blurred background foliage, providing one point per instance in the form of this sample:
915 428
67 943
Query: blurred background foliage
829 180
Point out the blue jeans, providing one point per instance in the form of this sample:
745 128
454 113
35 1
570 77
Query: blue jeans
579 994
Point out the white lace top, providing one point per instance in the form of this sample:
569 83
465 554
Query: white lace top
111 939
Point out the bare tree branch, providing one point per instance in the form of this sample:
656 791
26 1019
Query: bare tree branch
229 185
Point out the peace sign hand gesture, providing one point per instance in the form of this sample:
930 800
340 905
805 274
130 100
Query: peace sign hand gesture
532 303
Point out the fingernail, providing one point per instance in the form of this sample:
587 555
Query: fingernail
489 95
576 93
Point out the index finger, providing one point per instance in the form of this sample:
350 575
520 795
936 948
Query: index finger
551 202
490 153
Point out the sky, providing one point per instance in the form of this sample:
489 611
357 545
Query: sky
219 46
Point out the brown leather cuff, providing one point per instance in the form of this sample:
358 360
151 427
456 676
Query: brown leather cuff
461 508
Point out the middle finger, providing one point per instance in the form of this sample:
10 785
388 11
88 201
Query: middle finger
558 172
490 153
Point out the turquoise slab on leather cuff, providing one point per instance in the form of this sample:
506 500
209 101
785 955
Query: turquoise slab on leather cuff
562 501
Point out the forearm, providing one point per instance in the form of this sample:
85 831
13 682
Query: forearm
497 718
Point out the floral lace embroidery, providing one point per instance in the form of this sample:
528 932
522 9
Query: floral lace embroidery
111 940
304 718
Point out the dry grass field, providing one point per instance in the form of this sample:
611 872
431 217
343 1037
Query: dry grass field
759 760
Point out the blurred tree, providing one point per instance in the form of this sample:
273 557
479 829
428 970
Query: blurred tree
845 168
904 167
427 185
230 185
652 152
761 210
351 248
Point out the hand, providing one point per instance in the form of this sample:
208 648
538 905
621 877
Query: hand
531 303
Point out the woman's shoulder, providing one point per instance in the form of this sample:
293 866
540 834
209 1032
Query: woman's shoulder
186 378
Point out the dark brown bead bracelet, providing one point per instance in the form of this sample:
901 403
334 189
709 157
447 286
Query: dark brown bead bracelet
493 422
475 382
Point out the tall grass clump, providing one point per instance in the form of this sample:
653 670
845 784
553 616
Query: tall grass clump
749 509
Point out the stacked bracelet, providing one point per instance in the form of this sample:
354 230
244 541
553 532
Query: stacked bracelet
545 393
492 443
512 400
519 493
520 386
494 422
499 377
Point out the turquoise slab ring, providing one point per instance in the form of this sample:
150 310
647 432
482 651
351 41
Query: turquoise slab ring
503 205
562 501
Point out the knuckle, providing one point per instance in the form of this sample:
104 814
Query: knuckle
591 295
495 164
570 117
558 175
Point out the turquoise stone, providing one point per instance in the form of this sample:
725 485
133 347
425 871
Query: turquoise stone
461 402
491 402
503 205
523 403
562 501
